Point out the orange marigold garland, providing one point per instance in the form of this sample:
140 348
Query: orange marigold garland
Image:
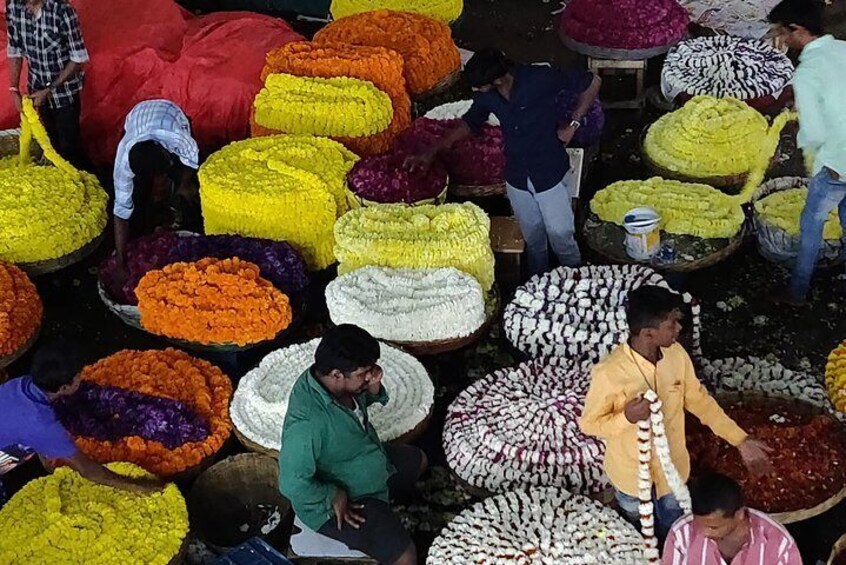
425 44
382 67
212 301
169 374
20 309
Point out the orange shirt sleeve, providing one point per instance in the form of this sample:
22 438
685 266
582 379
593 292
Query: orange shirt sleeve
599 418
701 404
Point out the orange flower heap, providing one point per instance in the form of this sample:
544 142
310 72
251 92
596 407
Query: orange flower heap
380 66
20 309
212 301
170 374
425 44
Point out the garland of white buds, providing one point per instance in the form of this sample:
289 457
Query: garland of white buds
651 435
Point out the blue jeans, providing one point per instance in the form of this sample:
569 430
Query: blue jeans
824 195
546 219
667 511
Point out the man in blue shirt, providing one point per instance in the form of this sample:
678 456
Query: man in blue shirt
523 97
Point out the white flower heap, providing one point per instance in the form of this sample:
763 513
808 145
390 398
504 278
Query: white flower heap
456 110
725 66
652 437
260 403
542 526
408 305
579 313
519 427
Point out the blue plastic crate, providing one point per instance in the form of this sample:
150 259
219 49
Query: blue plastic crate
253 552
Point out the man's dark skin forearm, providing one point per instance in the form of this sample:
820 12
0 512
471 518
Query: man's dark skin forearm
99 474
15 66
121 240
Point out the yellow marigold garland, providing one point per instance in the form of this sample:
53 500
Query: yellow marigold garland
399 236
783 209
64 518
835 377
46 212
339 106
446 11
284 187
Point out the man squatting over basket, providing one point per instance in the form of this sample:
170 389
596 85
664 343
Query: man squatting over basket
653 359
523 98
332 467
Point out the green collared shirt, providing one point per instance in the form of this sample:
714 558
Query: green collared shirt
325 446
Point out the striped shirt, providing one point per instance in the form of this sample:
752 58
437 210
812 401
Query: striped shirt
161 121
769 544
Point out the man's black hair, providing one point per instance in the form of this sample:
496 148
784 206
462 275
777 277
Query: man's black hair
648 306
345 348
716 493
486 66
805 13
55 364
148 159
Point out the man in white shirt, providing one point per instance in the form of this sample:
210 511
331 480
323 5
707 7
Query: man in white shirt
156 162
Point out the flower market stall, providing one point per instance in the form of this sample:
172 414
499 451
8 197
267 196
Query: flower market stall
20 313
261 399
446 11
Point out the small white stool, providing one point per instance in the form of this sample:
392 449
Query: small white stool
309 543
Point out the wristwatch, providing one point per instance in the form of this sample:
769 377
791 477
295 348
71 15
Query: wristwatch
575 124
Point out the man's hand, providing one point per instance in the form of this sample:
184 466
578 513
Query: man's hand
566 133
39 98
374 384
637 410
16 98
755 455
420 163
345 510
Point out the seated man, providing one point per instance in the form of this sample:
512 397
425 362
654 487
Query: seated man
723 531
332 466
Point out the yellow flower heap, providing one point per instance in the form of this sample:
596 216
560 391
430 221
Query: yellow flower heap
46 211
336 107
446 11
282 187
784 208
398 236
835 377
64 518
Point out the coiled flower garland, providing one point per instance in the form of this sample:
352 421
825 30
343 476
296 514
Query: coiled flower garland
783 209
20 309
446 11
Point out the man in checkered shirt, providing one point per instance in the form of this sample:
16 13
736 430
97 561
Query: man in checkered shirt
47 34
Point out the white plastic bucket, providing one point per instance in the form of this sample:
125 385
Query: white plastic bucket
643 234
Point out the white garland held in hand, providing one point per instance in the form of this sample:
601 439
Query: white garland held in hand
519 427
260 402
454 111
408 305
541 526
651 435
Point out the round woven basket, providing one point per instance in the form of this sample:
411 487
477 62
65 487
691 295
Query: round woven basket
441 86
239 491
612 53
181 556
482 191
357 201
9 359
254 447
128 313
838 552
52 265
780 247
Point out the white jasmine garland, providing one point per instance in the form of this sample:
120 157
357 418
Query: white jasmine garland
456 110
541 526
260 402
518 427
579 313
408 305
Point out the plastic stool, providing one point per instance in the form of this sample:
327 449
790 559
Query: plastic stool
308 543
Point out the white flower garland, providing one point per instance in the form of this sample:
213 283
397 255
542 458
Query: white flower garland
519 427
408 305
541 526
725 66
454 111
652 435
579 313
260 402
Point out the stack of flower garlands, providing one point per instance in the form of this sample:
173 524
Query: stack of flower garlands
408 305
446 11
46 212
353 92
212 302
725 66
835 377
393 235
624 24
783 210
20 310
384 179
261 400
425 44
278 262
580 313
283 187
537 526
64 518
161 409
519 427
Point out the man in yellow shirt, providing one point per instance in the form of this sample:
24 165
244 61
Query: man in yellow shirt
653 359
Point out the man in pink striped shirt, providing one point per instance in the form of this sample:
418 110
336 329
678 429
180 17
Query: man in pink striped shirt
722 531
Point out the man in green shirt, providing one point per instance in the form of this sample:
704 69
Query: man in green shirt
332 467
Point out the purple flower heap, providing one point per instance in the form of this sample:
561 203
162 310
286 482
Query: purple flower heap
108 413
385 179
278 262
625 24
590 130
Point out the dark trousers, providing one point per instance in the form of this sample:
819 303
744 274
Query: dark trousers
62 125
